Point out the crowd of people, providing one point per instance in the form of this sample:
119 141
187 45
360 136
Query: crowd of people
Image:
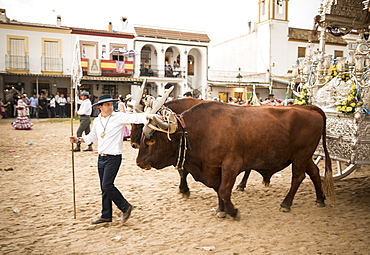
270 100
44 105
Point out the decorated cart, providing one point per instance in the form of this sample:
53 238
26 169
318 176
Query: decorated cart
340 86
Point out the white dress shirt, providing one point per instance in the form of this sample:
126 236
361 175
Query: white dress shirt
85 108
112 127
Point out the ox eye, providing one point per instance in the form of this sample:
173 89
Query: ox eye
150 142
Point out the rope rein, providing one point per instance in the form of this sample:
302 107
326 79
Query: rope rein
183 146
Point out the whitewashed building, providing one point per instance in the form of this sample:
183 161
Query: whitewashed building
170 57
264 56
37 58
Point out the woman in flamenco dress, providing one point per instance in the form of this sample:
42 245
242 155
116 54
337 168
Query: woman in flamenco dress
22 122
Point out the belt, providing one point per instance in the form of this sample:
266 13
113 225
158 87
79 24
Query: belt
84 115
104 155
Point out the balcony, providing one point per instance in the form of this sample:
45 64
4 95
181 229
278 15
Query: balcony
99 67
13 62
51 64
159 71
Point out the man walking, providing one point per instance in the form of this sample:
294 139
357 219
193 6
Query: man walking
84 115
108 130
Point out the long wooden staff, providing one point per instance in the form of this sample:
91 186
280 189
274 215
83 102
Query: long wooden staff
73 155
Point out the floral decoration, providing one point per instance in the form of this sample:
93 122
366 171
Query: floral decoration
334 72
303 98
348 105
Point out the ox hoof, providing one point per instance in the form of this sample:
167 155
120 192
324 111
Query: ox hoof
237 216
186 194
240 188
284 209
320 204
221 214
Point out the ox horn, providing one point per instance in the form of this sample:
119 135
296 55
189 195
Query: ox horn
147 130
160 124
138 107
161 101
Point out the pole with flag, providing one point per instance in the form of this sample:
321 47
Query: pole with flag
76 75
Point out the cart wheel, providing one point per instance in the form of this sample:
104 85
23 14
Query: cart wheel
340 168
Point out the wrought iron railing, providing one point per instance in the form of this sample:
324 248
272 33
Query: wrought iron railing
51 64
13 62
159 71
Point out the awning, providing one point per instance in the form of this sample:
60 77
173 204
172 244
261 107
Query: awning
124 52
237 84
105 78
40 75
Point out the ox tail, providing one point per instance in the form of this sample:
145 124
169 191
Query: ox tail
328 183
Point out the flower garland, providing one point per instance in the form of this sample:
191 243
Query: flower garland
303 98
333 72
349 105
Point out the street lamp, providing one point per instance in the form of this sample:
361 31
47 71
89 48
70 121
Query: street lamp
239 78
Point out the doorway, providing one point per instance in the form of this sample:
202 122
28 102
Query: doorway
223 97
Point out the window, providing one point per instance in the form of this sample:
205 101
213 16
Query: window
50 56
190 65
115 55
301 52
146 53
17 53
89 50
338 53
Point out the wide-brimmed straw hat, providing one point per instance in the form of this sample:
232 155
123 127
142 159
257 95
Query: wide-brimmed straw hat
128 96
105 99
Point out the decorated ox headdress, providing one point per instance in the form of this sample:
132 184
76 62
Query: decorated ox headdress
167 122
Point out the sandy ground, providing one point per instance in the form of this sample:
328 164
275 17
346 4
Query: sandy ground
36 205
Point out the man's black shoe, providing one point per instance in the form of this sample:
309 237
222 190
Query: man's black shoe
102 220
127 213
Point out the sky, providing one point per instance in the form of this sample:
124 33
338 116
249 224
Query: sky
221 20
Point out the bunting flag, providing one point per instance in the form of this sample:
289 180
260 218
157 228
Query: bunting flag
94 67
76 69
120 66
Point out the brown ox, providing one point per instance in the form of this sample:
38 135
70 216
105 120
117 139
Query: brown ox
178 106
226 140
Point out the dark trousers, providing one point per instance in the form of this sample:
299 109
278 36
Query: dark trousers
61 111
85 121
52 112
33 112
108 167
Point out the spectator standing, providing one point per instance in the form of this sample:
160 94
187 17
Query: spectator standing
57 104
62 103
34 102
52 106
43 111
